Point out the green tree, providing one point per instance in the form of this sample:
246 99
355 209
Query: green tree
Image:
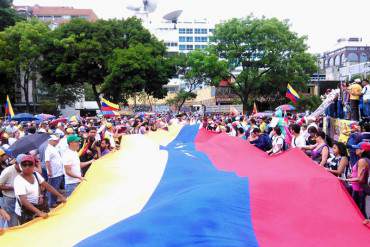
180 98
139 68
198 68
8 16
82 52
267 54
21 53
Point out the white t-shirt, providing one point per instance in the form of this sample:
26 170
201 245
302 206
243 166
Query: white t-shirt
62 145
276 141
298 142
70 158
53 156
7 178
23 187
366 92
111 139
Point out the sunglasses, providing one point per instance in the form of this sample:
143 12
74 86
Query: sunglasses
27 164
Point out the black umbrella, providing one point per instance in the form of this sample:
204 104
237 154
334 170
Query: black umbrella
27 143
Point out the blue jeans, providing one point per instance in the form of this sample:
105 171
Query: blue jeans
56 183
70 188
366 108
9 207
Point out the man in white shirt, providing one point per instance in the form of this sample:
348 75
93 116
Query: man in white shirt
298 140
7 187
54 167
72 164
366 97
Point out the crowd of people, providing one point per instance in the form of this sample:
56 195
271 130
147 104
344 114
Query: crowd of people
38 180
352 102
349 160
33 182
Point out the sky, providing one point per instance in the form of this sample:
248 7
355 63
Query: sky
322 21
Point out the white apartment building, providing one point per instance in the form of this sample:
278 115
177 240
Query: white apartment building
184 36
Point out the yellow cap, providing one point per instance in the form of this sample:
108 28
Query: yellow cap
69 131
109 125
6 135
2 152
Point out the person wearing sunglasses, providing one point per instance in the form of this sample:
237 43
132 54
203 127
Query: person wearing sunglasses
28 187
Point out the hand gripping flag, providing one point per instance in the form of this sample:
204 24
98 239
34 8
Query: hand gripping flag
292 94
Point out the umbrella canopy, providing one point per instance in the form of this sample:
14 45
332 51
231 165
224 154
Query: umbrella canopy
23 117
27 143
44 117
56 121
263 114
286 108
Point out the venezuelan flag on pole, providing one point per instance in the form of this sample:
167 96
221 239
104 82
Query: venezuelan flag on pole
292 94
108 108
8 108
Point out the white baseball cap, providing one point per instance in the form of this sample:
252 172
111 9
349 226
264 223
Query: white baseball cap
53 138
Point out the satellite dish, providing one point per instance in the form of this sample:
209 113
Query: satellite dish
173 16
133 8
150 5
134 5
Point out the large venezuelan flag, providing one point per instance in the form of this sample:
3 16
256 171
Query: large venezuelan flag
189 187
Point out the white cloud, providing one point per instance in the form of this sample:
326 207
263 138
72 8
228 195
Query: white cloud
323 21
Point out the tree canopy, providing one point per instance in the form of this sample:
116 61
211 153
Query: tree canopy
97 53
263 56
21 52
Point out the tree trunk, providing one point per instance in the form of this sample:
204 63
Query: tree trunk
181 104
26 97
96 95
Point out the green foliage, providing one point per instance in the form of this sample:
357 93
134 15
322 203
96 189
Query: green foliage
268 53
21 52
200 67
8 16
49 107
93 53
308 103
180 98
141 67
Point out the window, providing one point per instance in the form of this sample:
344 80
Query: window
189 47
342 59
185 39
337 60
352 57
189 31
201 39
211 30
182 47
363 58
182 31
201 31
200 47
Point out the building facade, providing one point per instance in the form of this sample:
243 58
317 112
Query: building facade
184 36
346 53
54 16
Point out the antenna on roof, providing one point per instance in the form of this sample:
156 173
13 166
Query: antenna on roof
173 16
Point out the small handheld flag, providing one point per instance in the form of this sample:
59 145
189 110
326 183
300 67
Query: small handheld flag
8 108
108 108
292 94
255 111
